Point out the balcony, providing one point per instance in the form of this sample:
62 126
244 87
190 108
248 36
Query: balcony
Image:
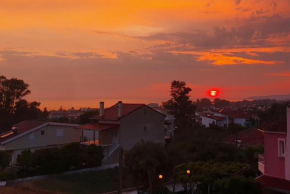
261 163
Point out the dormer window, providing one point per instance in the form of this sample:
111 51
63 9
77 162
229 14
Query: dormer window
281 147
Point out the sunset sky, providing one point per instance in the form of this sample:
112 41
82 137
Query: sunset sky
76 53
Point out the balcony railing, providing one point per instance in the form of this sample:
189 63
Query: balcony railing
261 163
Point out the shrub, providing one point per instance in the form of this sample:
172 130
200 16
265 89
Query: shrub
24 160
5 159
94 155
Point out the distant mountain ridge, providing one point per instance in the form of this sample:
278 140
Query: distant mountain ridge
277 97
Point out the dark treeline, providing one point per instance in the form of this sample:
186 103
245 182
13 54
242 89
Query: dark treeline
13 107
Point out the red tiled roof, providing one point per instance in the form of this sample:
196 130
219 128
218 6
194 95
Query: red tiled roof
112 112
217 118
23 127
97 126
242 114
273 182
249 137
235 113
277 126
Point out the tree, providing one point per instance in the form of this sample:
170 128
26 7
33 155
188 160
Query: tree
204 102
11 91
180 104
236 185
221 103
5 159
146 160
85 118
27 111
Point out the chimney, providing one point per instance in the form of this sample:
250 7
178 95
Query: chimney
120 108
102 104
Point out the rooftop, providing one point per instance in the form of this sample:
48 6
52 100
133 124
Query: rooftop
249 137
276 126
97 126
111 113
21 128
273 182
217 118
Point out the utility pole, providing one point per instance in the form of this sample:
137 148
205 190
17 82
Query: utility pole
120 171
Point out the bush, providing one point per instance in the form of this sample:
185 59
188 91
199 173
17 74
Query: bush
8 174
235 185
56 160
24 160
5 159
94 156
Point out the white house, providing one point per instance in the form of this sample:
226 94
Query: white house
35 135
208 120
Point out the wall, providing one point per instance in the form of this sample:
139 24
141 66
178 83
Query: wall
240 121
132 127
274 165
287 151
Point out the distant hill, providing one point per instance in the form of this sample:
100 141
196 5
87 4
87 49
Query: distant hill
277 97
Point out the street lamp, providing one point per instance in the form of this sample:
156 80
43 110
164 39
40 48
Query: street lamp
188 171
160 176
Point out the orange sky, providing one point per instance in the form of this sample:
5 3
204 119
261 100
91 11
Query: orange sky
76 53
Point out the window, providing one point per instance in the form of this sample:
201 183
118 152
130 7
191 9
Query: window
59 133
42 133
31 136
281 147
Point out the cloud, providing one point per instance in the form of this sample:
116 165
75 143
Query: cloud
237 2
253 32
282 74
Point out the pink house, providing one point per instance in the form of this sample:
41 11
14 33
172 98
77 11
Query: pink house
275 163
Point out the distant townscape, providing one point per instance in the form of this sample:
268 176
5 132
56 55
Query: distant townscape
202 146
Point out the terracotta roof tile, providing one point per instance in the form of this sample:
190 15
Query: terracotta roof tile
249 137
112 112
276 126
97 126
22 127
274 182
217 118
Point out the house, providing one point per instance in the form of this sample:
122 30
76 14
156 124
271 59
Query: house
238 117
247 137
274 164
35 135
208 120
168 120
122 126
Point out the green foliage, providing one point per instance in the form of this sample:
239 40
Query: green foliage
221 103
85 118
235 185
5 159
203 174
13 108
94 155
203 103
145 161
24 160
55 160
277 111
8 174
180 104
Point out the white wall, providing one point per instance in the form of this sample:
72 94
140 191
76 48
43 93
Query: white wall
240 121
206 121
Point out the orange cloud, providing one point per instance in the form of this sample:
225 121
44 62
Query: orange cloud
220 59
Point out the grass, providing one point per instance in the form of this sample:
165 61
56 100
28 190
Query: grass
85 183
